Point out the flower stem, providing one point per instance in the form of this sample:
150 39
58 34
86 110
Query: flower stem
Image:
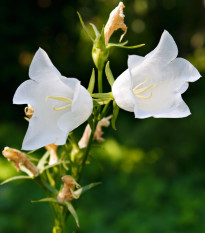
100 86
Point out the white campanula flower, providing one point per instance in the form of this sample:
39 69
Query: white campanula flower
60 104
152 85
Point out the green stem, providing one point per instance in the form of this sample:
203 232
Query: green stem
100 86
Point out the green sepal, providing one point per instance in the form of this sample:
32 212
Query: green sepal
80 191
115 114
103 95
90 122
100 52
84 27
16 178
120 45
73 212
48 199
66 204
54 165
109 74
105 109
42 161
95 30
92 82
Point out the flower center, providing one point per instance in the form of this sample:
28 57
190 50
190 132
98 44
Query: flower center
60 98
137 91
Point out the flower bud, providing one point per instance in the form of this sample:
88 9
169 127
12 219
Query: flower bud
99 52
29 111
67 193
115 22
53 153
19 159
98 132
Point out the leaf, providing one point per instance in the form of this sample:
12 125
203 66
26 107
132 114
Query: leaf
73 212
95 30
109 74
86 188
105 109
48 199
115 114
92 82
90 122
125 47
84 27
103 101
15 178
53 165
42 161
103 95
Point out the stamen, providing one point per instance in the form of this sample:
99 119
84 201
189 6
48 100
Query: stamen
60 98
142 83
137 91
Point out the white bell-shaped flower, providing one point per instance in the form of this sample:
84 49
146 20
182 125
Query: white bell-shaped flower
152 85
60 104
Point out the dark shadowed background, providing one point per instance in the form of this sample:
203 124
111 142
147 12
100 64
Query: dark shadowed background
152 170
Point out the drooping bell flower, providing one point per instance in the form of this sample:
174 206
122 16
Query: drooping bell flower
60 104
152 85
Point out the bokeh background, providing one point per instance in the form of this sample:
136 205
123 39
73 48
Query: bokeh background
152 170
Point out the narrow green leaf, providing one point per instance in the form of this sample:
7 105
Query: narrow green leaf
95 30
86 188
92 82
53 165
84 27
115 114
73 212
48 199
116 44
125 47
42 161
109 74
15 178
103 95
105 109
90 122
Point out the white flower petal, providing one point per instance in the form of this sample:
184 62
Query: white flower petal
41 133
42 68
25 92
184 70
56 100
156 82
165 51
81 110
122 93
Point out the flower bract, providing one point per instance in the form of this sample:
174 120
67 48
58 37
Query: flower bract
152 85
60 104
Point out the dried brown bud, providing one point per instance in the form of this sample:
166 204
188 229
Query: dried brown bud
67 193
115 22
19 159
29 111
98 132
53 153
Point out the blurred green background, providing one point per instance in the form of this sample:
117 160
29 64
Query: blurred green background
152 170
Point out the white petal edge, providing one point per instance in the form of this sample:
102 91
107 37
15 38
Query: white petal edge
122 92
42 68
166 50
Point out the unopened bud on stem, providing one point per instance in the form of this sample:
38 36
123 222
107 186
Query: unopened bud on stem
19 159
115 22
67 193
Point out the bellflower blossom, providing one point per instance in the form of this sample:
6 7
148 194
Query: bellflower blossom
152 85
60 104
